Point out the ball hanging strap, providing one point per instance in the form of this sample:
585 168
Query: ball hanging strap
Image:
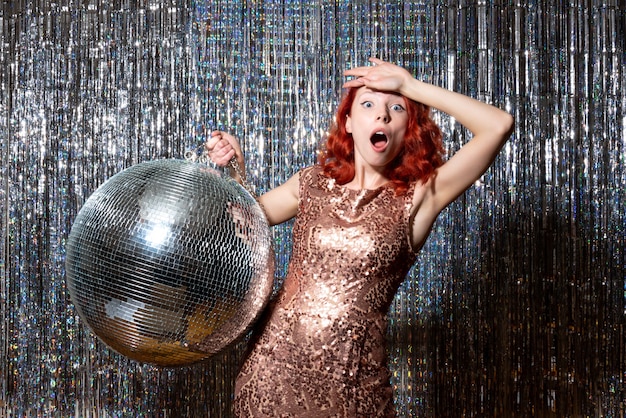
201 155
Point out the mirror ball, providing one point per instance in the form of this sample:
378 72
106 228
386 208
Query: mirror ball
169 262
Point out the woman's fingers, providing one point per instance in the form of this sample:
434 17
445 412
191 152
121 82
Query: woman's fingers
355 82
381 76
220 148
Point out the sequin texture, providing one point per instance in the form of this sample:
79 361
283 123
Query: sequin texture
322 351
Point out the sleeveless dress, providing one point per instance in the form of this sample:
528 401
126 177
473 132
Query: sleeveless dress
322 351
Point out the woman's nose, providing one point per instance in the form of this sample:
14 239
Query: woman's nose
384 116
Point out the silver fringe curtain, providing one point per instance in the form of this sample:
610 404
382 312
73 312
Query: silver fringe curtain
517 304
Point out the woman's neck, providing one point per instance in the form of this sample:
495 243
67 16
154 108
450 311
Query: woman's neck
366 179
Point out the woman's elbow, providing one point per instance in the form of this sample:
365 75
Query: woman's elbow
505 125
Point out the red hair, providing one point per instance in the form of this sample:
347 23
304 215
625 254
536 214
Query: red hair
421 153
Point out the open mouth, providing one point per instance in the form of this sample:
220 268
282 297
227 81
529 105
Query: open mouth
379 141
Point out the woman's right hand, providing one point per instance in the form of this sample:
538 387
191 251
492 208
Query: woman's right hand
383 76
222 147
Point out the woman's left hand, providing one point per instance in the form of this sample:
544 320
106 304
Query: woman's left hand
382 76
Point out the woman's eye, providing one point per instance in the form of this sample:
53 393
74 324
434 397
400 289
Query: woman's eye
367 104
397 108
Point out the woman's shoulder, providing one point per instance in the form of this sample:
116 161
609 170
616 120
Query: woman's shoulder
310 173
310 170
314 177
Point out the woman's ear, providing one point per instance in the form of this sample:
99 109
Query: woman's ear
348 124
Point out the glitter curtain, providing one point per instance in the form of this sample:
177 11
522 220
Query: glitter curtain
517 304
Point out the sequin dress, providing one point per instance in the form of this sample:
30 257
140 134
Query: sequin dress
322 349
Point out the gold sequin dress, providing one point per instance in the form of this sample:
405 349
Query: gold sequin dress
322 348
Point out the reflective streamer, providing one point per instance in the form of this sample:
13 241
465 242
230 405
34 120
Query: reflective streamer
516 305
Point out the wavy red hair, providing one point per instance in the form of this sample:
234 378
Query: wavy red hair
420 156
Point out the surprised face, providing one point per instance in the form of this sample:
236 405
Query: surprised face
377 122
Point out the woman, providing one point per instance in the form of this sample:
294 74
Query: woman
362 214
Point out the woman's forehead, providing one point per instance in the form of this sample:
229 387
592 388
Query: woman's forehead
368 91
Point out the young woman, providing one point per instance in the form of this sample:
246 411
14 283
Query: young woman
362 214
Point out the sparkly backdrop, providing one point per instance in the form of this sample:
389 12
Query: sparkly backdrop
517 304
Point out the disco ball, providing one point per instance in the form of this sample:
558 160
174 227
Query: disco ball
169 262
